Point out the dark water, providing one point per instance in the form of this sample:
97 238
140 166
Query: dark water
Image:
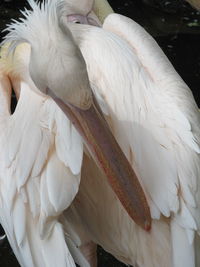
175 26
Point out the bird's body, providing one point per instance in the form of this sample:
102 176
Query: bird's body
37 166
35 174
155 120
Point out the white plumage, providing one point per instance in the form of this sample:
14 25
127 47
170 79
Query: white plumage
38 180
155 120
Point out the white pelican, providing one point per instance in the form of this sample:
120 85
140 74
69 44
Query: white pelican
37 165
155 120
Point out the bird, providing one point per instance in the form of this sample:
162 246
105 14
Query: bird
29 168
155 119
40 177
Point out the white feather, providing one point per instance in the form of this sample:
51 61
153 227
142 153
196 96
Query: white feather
156 121
30 169
19 221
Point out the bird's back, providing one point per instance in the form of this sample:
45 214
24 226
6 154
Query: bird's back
155 120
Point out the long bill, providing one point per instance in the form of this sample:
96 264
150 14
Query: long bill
112 161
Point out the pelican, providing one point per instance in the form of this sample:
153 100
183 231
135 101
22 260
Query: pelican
42 152
155 119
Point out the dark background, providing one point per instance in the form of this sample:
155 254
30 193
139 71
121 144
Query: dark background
175 26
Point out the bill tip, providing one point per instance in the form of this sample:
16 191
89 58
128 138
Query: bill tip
147 226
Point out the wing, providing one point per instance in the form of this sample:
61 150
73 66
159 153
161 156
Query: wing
40 162
152 113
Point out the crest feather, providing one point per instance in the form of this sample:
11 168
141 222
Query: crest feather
40 21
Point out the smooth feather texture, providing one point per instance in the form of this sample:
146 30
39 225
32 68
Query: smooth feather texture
38 181
160 123
156 121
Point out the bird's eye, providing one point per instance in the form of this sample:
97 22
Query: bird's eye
76 18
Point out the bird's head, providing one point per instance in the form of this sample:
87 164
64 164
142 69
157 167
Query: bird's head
56 63
58 69
81 12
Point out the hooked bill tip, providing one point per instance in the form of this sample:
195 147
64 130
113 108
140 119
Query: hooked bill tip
147 226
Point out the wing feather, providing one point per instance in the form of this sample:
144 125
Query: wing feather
40 164
19 221
156 110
